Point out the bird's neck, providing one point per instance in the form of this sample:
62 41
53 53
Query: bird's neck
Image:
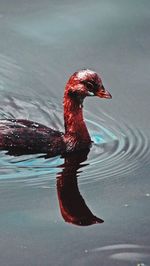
74 122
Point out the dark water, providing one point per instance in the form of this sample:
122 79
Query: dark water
42 44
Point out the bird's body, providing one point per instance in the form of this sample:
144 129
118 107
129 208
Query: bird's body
23 136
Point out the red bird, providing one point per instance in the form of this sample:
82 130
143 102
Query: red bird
20 136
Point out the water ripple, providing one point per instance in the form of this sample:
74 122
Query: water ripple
118 148
125 252
121 149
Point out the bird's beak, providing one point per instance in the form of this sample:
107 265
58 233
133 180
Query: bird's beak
102 93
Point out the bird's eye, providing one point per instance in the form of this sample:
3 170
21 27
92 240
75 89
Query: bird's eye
90 85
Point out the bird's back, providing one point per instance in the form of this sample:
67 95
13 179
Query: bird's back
24 137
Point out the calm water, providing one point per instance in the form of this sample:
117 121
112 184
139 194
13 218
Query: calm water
42 44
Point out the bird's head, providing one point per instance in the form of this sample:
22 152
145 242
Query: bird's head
86 83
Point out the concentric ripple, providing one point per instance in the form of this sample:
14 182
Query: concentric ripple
118 148
124 252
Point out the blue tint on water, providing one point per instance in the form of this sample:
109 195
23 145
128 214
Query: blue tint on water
97 139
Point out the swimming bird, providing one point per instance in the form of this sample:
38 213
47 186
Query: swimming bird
19 136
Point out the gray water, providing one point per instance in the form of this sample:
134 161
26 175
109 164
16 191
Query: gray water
42 44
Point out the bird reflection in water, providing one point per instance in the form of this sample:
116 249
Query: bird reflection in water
72 205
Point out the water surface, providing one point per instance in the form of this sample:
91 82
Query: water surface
42 44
